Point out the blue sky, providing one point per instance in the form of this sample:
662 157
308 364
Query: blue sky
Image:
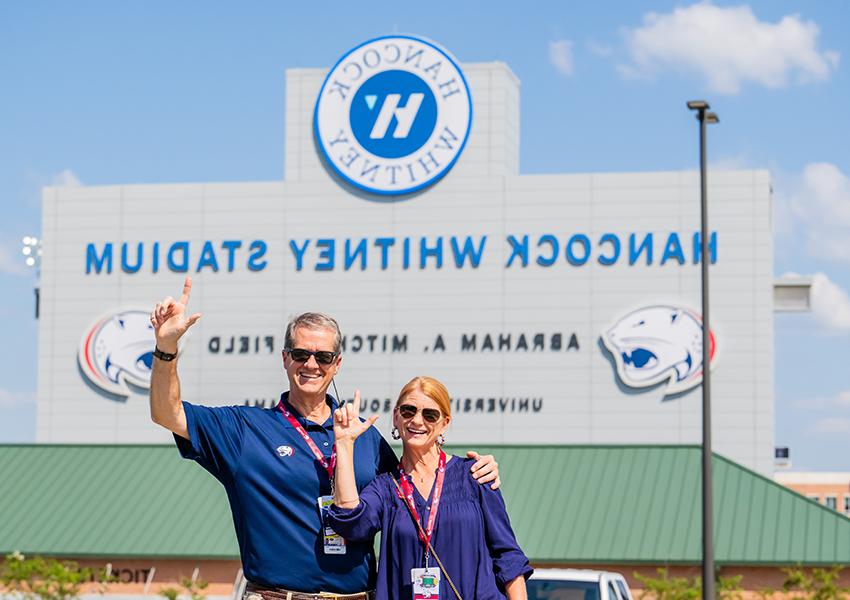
98 92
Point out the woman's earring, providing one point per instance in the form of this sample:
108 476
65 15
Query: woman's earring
441 440
396 435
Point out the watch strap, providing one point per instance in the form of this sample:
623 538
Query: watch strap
164 355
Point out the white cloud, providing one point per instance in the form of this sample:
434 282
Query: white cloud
561 56
14 399
36 180
814 211
830 303
66 178
830 306
843 398
599 49
824 195
728 46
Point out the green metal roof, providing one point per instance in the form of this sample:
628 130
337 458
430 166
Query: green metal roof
111 501
642 504
568 504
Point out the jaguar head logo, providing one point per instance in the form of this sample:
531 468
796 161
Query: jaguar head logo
118 350
659 343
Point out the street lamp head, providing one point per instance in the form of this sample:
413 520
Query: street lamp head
711 118
698 105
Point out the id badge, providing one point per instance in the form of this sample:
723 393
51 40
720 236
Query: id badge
333 542
426 583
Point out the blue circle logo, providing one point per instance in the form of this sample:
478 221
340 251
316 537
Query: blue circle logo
393 115
391 125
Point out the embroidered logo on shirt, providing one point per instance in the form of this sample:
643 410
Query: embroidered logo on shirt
284 451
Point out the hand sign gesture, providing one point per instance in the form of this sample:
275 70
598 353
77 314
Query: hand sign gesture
347 424
170 321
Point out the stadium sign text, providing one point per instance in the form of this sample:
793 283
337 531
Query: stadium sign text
519 250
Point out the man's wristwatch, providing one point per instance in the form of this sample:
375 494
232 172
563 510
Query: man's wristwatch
164 355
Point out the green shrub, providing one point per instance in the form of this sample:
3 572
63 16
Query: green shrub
40 578
816 584
665 587
192 590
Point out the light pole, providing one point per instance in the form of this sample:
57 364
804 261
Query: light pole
704 117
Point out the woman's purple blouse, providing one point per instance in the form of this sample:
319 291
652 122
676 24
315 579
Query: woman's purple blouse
472 535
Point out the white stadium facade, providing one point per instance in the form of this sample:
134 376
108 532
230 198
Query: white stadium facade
558 308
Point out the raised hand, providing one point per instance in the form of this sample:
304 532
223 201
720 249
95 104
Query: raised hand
170 319
347 424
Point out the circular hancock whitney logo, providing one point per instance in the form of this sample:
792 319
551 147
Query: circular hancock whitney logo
393 115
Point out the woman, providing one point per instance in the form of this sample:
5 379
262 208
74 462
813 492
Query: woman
443 535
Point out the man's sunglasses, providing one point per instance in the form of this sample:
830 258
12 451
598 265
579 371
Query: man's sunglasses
323 357
408 411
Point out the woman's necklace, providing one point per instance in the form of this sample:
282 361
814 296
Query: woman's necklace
415 474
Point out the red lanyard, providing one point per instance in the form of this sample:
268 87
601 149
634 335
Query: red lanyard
425 535
328 465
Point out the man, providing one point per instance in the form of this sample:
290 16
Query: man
275 464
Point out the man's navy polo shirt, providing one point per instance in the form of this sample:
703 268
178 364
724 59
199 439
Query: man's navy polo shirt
273 481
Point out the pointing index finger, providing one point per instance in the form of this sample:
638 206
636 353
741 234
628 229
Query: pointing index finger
356 405
187 288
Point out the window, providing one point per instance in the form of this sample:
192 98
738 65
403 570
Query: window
831 502
847 504
544 589
814 497
612 592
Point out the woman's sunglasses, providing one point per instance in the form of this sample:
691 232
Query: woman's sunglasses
323 357
408 411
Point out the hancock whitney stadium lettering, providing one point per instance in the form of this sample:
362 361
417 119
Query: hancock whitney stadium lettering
178 257
410 253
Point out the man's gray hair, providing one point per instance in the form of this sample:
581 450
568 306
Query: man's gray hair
312 320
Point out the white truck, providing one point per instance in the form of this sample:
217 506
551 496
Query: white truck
577 584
